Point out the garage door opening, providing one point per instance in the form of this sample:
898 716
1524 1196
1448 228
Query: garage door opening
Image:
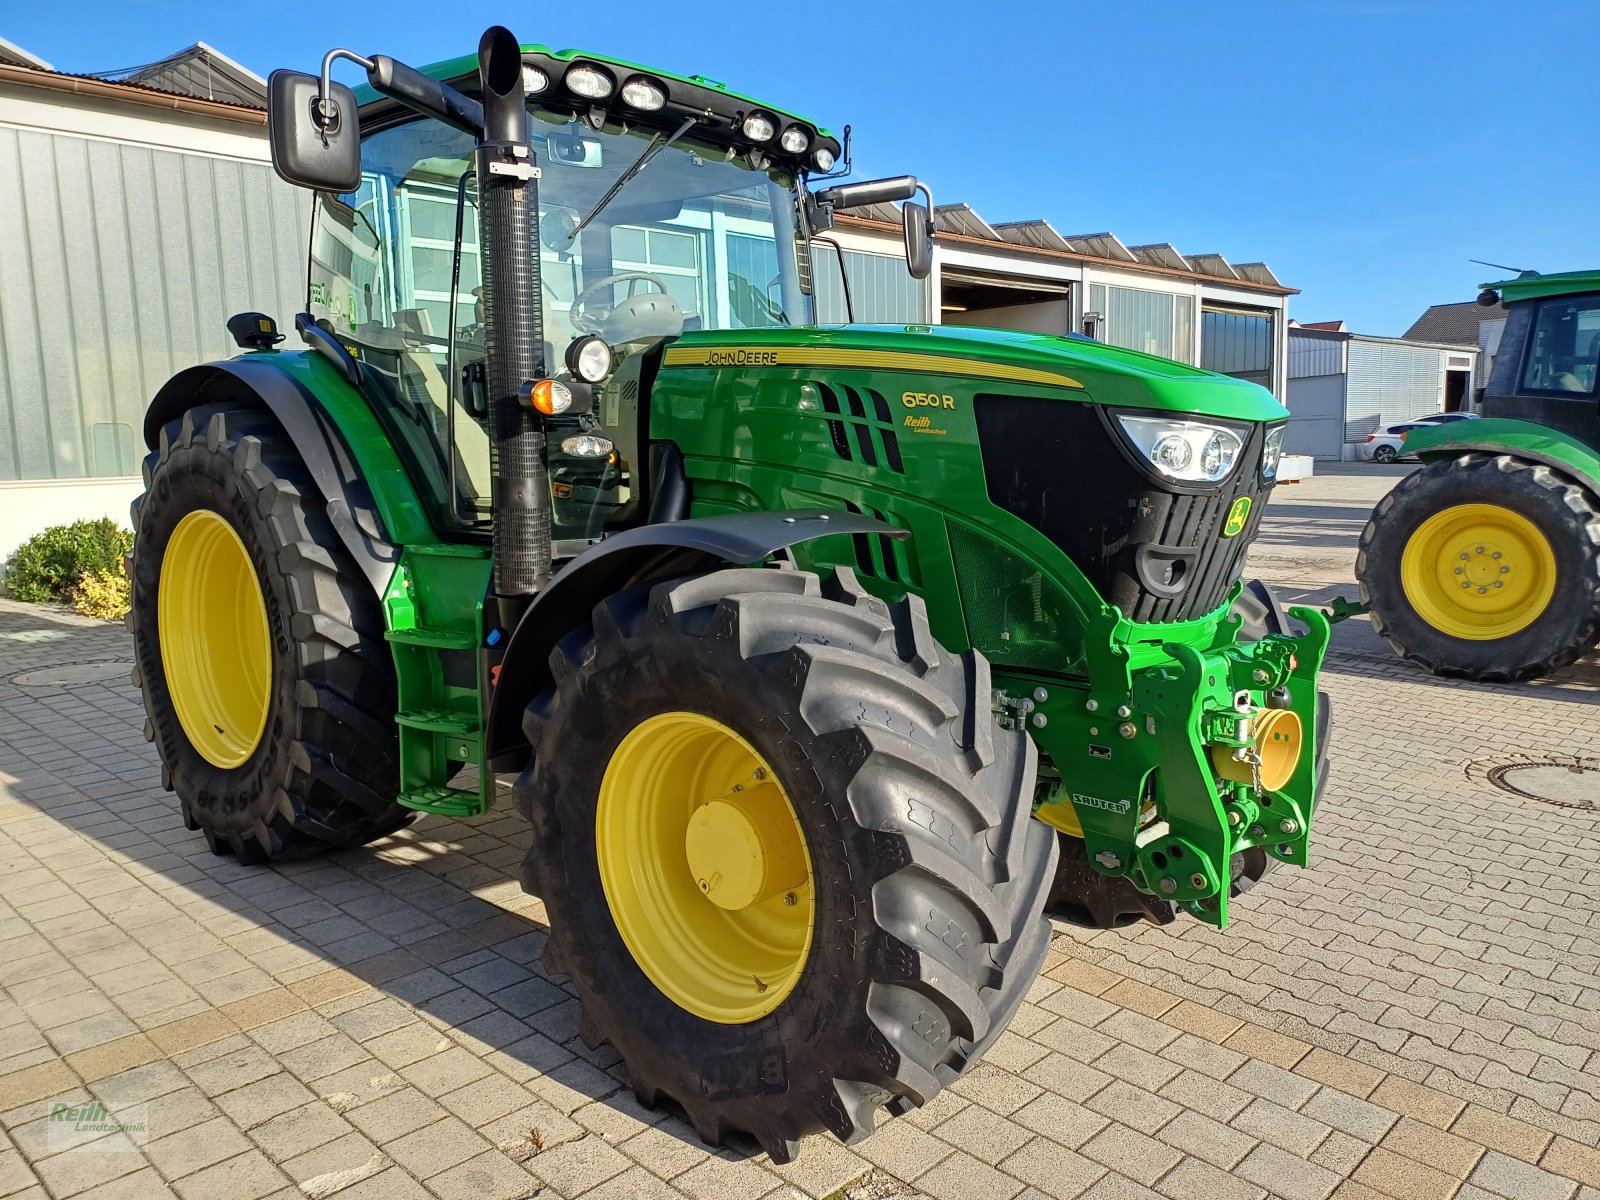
1001 304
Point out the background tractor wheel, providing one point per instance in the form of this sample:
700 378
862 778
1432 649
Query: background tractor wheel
259 648
1484 567
786 852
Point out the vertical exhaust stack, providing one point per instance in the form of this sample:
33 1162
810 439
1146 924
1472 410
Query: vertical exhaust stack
508 213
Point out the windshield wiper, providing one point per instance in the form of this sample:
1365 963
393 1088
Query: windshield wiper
656 146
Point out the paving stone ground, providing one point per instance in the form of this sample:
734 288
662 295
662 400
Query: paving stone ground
1416 1015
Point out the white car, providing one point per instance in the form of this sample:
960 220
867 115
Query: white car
1386 445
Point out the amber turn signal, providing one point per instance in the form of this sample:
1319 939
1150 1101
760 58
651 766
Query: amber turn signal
548 396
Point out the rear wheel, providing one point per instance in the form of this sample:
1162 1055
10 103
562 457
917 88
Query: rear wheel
1384 454
1484 567
259 649
787 854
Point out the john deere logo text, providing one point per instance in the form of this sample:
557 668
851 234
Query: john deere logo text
1237 516
926 400
742 358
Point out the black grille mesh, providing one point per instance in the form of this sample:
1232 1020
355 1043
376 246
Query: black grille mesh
1055 464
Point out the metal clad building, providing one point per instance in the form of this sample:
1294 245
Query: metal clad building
133 223
1317 383
1344 386
882 291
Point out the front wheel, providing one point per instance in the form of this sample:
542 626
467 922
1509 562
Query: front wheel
786 852
1484 567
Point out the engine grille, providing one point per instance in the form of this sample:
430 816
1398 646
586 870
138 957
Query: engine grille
1058 466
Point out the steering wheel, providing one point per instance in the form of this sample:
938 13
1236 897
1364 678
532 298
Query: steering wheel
585 321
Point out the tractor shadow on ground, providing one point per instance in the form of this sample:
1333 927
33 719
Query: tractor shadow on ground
1312 526
1357 650
431 916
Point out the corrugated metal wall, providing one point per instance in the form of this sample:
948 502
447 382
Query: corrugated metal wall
1390 383
1311 355
119 265
882 290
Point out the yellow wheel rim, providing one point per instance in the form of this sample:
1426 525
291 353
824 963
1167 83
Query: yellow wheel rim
705 867
1478 571
215 648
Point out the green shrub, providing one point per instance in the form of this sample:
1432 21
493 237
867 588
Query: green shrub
48 565
104 594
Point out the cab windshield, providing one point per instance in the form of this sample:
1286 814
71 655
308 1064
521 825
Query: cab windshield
696 240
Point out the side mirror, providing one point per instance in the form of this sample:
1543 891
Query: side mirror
313 145
918 222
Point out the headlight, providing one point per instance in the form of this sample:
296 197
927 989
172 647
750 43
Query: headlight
587 445
589 358
1188 451
824 159
589 82
534 80
1273 452
794 140
644 94
759 127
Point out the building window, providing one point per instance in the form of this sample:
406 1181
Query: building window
1238 342
431 214
1153 322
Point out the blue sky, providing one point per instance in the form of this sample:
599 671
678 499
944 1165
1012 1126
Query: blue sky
1364 149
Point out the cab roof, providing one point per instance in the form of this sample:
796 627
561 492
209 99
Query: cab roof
1532 287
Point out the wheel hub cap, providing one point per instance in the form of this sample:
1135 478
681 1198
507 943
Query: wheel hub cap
1478 571
739 851
216 650
705 869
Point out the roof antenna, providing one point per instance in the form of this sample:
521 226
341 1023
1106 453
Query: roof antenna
1519 272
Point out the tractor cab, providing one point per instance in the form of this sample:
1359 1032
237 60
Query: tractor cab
666 205
1548 365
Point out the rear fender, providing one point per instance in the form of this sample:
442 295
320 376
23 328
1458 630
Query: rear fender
638 556
1521 439
370 500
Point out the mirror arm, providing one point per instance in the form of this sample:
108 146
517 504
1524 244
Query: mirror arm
327 112
427 96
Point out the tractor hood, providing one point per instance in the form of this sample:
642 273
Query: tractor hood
1107 374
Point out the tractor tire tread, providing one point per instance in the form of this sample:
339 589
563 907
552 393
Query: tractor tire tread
959 873
334 782
1506 660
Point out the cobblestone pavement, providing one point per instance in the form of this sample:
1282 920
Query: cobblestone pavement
1415 1016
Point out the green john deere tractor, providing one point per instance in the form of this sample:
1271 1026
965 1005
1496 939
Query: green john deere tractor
787 632
1485 564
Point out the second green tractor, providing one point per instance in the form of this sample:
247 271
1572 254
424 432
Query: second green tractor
1485 564
824 658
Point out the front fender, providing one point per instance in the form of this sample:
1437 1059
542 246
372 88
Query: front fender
1523 439
638 556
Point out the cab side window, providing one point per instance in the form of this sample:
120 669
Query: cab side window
1564 353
